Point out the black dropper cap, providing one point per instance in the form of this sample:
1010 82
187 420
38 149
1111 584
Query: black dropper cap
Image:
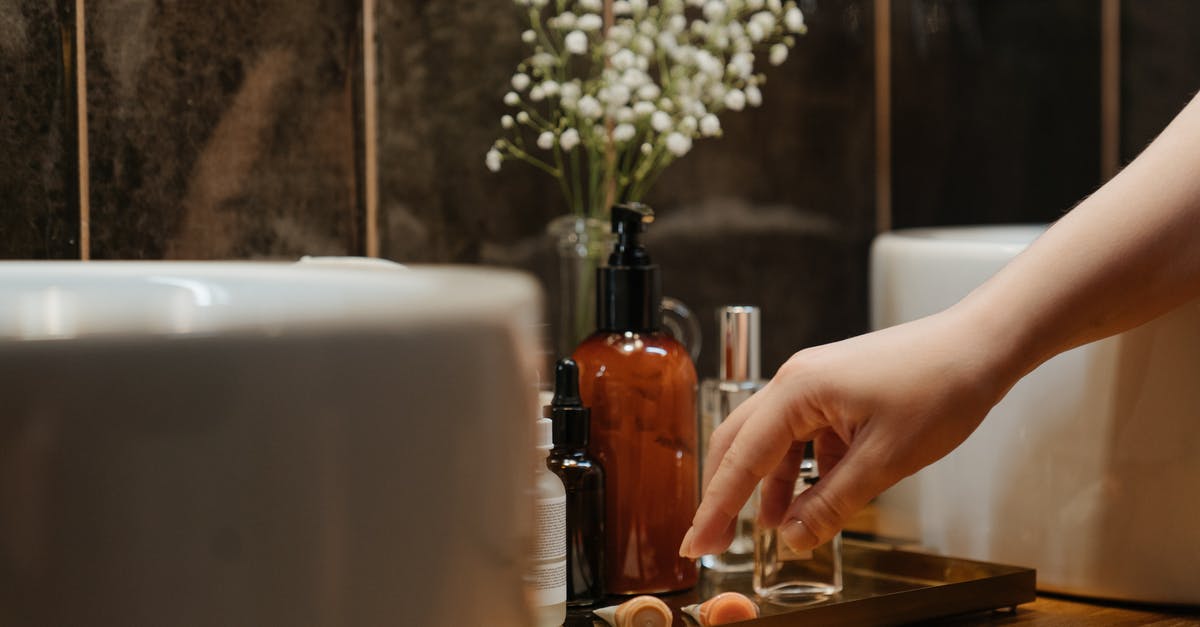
571 419
629 288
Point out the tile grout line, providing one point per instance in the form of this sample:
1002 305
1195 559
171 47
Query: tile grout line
81 125
1110 88
883 116
370 132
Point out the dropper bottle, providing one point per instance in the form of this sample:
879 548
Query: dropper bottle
583 478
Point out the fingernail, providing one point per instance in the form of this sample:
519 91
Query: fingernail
685 547
798 536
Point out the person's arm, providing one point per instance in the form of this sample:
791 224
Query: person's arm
883 405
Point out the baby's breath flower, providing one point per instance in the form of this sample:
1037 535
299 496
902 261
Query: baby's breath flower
794 20
576 42
545 141
638 6
649 91
775 5
710 126
647 149
589 107
688 125
529 36
679 144
520 81
625 114
589 22
512 99
754 5
735 100
550 89
624 132
523 117
714 10
621 7
623 59
536 94
493 160
755 31
779 54
569 139
591 5
564 21
644 109
753 95
660 121
507 121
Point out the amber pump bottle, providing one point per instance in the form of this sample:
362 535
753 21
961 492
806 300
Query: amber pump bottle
641 386
583 478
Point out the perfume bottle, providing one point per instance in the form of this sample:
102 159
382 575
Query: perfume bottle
641 386
784 576
583 478
738 380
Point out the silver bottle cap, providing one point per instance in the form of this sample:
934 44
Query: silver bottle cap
739 343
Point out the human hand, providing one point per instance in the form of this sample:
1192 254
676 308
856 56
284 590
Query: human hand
878 407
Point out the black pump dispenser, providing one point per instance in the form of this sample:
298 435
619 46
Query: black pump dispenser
629 288
571 419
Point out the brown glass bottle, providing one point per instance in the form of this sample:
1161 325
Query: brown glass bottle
641 386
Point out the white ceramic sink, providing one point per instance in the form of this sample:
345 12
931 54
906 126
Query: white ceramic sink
263 444
1089 470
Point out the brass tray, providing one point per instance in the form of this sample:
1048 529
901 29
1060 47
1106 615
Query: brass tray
882 586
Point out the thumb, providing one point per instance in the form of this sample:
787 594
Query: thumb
819 513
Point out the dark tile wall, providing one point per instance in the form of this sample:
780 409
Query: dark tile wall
222 129
38 212
996 110
1160 67
233 129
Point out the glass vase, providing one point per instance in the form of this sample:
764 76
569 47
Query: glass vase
581 244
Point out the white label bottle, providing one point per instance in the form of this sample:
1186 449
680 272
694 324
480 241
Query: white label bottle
546 577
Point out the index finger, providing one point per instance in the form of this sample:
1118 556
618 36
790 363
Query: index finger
759 446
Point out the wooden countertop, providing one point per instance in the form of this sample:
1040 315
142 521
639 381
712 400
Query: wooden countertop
1060 610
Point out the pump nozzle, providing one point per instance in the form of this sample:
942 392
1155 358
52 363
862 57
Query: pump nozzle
628 223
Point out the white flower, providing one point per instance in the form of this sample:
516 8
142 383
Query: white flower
569 139
543 60
779 54
507 121
623 59
753 95
710 126
647 149
617 95
536 94
688 125
775 5
754 5
679 144
639 6
735 100
644 109
545 141
742 64
621 7
677 23
564 21
576 42
540 3
794 20
591 5
529 36
714 10
550 89
589 22
624 132
666 105
523 117
649 91
644 45
764 19
634 78
660 121
512 99
625 114
589 107
493 160
708 64
755 31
